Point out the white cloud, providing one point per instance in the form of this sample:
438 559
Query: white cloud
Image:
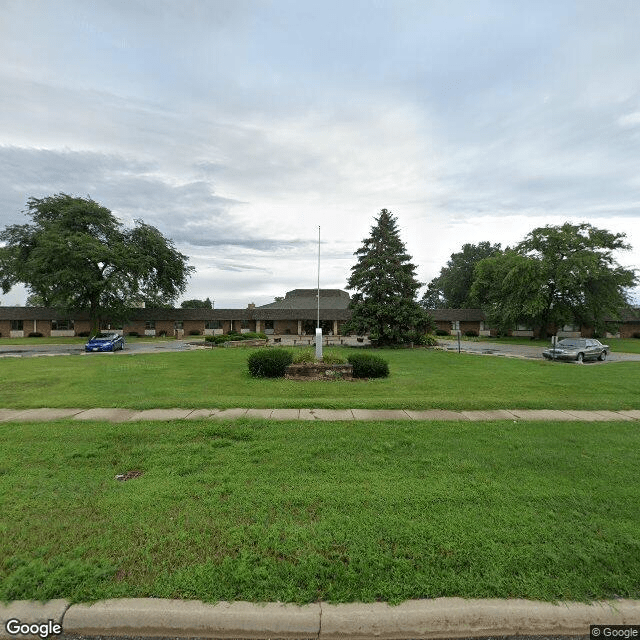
239 127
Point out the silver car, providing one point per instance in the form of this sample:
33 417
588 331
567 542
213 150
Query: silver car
578 349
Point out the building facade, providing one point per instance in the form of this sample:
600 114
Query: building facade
295 314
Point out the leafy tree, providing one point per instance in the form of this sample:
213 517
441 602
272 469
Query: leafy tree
557 275
384 304
451 289
75 255
197 304
34 300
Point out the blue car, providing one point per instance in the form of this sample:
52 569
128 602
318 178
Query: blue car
105 342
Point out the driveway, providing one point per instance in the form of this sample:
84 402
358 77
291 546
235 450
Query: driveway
43 350
521 351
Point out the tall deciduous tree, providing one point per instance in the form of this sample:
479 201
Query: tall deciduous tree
384 305
557 275
452 288
197 304
75 255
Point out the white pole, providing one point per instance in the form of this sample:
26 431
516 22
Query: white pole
318 328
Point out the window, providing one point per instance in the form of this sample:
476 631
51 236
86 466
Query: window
62 325
17 325
571 328
178 324
149 324
213 324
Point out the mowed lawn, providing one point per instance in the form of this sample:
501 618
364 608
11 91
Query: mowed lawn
218 378
301 512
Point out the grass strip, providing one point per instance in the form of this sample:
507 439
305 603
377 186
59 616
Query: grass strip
300 512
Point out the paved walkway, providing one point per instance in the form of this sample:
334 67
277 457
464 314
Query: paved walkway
131 415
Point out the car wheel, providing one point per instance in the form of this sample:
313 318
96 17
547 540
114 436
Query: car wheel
603 356
580 358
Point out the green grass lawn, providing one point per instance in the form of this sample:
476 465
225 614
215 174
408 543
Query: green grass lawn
218 378
301 512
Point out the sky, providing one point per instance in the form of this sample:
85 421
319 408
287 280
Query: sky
238 127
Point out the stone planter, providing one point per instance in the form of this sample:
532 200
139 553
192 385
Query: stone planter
319 371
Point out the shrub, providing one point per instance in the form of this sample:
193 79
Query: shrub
367 365
428 340
471 333
333 358
221 339
304 356
441 332
636 334
194 332
35 334
83 334
162 334
134 334
269 363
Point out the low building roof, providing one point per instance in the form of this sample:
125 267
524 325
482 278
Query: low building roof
308 299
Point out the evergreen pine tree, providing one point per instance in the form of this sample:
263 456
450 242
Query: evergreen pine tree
384 305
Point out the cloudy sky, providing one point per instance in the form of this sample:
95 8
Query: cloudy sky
237 127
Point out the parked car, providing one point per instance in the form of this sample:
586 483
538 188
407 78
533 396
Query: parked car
577 349
105 342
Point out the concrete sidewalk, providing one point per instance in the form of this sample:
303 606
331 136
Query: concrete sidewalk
132 415
437 618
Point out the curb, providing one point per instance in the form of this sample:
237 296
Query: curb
419 619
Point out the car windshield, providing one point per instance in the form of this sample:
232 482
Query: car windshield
568 343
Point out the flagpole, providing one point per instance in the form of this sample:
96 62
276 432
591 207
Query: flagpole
318 325
318 329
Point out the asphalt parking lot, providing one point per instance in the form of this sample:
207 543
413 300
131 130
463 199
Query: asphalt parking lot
523 351
39 350
170 346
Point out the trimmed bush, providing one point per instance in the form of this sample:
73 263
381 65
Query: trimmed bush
368 365
194 332
441 332
269 363
636 334
35 334
471 333
428 340
133 334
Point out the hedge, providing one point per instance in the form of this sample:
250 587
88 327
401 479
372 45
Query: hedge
269 363
368 365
